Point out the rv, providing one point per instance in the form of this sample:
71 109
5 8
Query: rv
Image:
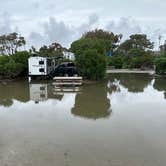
40 66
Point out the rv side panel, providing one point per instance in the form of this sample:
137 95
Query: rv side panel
37 66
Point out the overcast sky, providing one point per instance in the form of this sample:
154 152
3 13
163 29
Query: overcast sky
63 21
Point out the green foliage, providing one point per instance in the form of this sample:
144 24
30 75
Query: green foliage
136 52
15 65
53 50
137 41
116 61
79 46
12 69
21 57
111 40
142 62
136 59
91 51
161 65
140 59
163 54
91 65
100 40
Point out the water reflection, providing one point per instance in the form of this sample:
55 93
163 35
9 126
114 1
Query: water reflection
18 90
40 92
133 82
93 102
160 85
117 122
89 101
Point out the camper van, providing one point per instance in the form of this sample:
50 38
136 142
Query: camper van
40 66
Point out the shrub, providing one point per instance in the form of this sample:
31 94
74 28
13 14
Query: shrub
3 61
91 65
12 69
21 57
161 65
14 65
116 61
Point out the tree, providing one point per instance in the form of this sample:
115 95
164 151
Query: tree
102 41
78 47
91 50
15 65
53 50
9 44
91 65
109 38
137 41
116 61
161 65
136 52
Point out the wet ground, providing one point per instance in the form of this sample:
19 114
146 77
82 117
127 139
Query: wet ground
118 122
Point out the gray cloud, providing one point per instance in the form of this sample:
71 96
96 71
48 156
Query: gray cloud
124 26
5 23
129 26
43 22
57 31
54 31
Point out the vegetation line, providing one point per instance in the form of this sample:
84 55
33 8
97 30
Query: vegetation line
94 52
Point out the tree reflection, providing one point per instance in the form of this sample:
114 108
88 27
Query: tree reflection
17 90
160 85
133 82
92 102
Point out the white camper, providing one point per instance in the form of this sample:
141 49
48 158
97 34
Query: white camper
40 66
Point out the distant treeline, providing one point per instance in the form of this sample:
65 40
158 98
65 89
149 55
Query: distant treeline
94 51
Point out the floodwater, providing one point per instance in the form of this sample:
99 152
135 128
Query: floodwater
118 122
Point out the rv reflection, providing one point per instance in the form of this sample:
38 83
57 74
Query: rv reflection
38 92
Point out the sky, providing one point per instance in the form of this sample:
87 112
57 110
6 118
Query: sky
43 22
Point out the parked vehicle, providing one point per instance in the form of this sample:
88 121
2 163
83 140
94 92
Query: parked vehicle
65 69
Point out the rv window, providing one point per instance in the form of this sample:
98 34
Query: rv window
41 62
41 70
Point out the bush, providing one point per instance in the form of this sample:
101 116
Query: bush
142 62
21 57
14 65
161 65
3 61
135 59
91 65
116 61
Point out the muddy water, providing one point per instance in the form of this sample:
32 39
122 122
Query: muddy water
118 122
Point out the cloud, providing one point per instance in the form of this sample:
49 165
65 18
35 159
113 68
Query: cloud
63 30
5 23
55 31
36 5
52 31
90 24
124 26
128 26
